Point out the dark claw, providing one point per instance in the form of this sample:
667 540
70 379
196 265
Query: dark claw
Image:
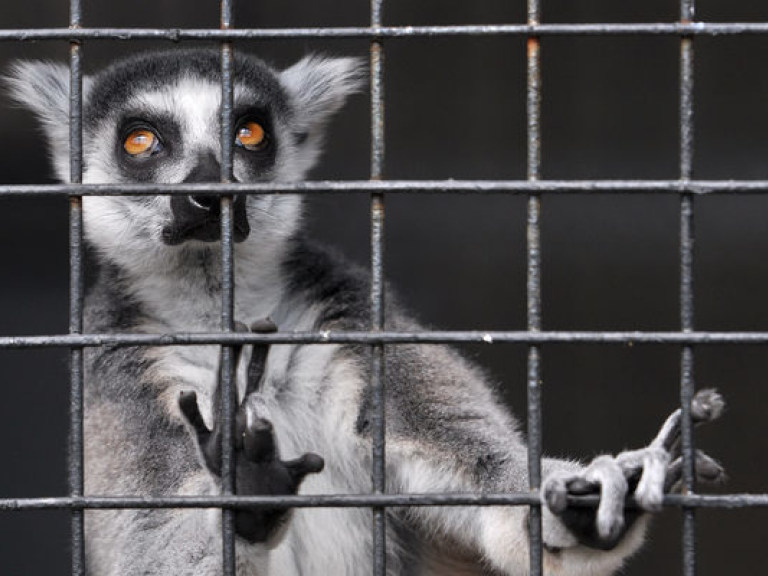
258 362
258 468
209 441
263 326
191 411
580 487
259 442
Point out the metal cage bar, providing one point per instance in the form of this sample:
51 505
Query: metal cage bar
690 28
378 361
227 375
76 289
686 286
553 187
727 501
533 284
387 337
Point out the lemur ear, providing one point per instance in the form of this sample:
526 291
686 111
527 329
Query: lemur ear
43 87
320 85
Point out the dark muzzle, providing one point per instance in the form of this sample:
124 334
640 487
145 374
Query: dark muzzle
198 217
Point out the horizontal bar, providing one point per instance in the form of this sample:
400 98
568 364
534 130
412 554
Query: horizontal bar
369 32
699 187
437 337
353 501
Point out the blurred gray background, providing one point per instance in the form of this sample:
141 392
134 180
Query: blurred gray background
456 109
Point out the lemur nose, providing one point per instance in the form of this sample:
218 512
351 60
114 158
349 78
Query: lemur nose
202 202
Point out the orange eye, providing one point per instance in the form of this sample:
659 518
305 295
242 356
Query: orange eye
251 135
140 142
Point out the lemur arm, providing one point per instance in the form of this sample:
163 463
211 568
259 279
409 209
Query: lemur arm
443 440
258 467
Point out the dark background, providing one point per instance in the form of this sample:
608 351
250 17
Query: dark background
456 109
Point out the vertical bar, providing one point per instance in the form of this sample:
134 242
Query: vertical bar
76 282
228 390
378 472
533 285
687 383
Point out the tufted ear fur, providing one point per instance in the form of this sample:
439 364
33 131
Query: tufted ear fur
319 86
43 87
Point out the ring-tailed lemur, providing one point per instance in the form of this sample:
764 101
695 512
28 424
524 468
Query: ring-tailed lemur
150 421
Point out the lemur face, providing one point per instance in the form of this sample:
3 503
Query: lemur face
155 118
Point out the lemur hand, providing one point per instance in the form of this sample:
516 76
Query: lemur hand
647 474
258 468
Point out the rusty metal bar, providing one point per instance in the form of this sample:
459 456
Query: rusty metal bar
76 292
533 284
378 362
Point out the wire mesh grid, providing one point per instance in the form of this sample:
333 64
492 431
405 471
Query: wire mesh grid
377 338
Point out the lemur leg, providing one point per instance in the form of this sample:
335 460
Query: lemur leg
259 470
647 474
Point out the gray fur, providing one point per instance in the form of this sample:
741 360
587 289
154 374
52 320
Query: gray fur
446 429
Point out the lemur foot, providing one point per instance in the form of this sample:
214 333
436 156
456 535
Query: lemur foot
647 474
258 468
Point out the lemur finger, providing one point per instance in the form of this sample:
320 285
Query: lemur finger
707 470
207 440
259 441
649 492
299 468
263 326
605 471
580 487
236 353
707 405
554 492
258 356
191 411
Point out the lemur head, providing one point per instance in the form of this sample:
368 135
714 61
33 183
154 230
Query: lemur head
155 118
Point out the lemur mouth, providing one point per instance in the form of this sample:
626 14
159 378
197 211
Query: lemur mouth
199 218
